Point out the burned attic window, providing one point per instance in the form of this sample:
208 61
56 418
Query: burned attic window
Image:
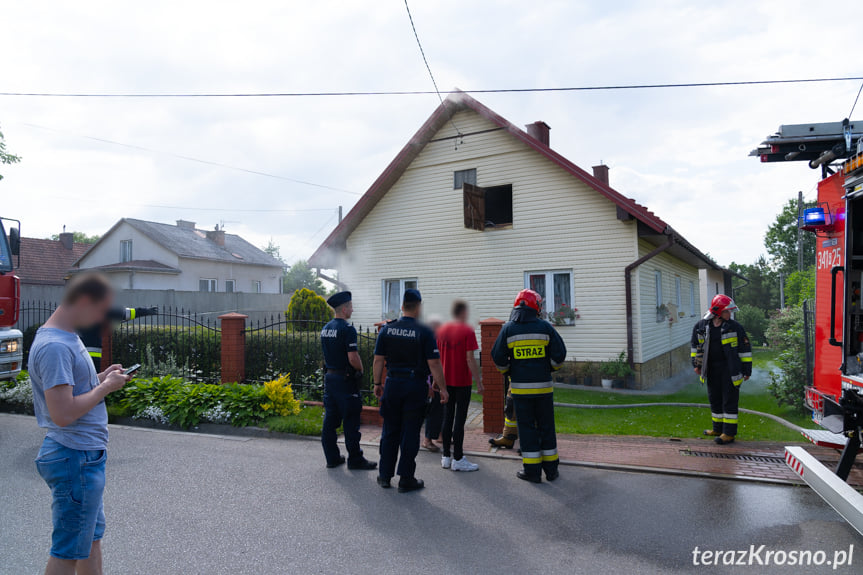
487 207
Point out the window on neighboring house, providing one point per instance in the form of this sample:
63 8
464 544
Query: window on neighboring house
692 309
206 284
678 297
125 250
393 293
556 289
487 207
660 306
256 285
229 286
462 177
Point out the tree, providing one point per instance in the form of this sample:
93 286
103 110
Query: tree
785 333
781 241
762 291
80 238
800 286
300 276
274 250
6 157
754 320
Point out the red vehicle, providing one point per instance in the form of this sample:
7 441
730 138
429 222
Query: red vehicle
11 340
835 395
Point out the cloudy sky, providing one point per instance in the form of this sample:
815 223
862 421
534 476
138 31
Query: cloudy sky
682 152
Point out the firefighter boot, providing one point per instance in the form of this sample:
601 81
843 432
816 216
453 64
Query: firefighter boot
712 433
724 439
504 441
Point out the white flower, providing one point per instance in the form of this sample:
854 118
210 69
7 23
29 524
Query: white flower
154 413
218 414
20 393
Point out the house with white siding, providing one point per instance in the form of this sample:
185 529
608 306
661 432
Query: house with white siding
473 207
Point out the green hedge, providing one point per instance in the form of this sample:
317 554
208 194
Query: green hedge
197 349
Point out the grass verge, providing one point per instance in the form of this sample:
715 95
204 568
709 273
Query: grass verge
309 422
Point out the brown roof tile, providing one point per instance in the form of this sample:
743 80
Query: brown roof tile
47 262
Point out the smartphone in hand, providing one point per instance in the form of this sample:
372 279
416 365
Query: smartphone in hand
131 370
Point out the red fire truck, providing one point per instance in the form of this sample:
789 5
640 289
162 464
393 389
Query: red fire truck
11 340
835 395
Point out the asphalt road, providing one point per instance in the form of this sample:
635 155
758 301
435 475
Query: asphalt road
190 504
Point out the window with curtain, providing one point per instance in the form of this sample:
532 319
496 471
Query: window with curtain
678 297
125 250
393 293
660 306
556 289
207 284
462 177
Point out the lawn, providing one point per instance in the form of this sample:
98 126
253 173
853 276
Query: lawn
682 422
308 422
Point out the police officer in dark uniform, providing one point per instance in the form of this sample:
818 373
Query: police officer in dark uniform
529 349
342 403
92 337
409 350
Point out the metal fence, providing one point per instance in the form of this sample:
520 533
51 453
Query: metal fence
279 346
173 342
809 339
32 314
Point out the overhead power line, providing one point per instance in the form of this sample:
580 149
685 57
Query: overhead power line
423 53
854 105
426 92
190 159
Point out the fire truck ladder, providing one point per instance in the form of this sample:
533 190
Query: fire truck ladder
818 144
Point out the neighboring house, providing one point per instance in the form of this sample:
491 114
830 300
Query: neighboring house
138 254
493 209
47 262
717 281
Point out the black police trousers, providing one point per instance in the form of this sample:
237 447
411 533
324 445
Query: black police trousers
342 405
403 410
536 434
724 398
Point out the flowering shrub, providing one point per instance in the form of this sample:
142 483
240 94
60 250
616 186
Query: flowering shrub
564 315
217 414
18 390
152 413
280 396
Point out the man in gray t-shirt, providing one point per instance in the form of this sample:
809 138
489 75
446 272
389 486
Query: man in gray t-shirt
69 400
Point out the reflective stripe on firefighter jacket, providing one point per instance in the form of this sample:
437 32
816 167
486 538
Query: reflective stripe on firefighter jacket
735 347
529 351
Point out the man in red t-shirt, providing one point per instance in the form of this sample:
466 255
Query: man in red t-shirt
456 341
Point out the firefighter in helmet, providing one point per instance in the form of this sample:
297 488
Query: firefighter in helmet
528 349
92 337
722 356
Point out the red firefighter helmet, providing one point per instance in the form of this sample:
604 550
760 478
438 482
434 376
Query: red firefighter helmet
529 298
721 303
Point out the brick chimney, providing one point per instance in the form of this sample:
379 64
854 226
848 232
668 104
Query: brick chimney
186 224
67 240
217 237
539 131
600 172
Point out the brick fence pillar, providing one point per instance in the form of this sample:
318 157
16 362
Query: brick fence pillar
107 345
233 347
492 379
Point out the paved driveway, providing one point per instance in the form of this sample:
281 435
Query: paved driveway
192 504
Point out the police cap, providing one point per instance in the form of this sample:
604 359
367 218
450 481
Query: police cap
338 299
412 296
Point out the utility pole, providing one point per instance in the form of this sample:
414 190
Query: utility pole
781 290
340 214
799 232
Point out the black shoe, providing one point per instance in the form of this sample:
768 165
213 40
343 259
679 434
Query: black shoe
531 478
385 483
411 485
363 465
552 476
339 461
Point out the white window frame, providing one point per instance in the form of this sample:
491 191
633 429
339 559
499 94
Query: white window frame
549 281
257 286
678 295
233 284
463 178
212 285
692 312
385 294
123 249
657 286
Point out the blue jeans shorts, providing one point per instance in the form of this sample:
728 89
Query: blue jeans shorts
77 480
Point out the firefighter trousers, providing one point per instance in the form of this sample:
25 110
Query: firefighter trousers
724 399
535 417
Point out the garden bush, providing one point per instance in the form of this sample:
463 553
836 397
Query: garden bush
785 333
754 321
308 308
195 350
